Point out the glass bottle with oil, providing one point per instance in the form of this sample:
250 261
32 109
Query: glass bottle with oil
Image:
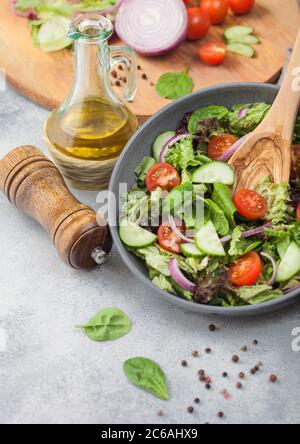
89 130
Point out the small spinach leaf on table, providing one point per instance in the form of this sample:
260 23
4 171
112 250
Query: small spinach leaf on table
174 85
146 374
107 325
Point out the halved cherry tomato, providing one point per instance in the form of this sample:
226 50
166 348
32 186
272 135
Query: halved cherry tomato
250 204
246 270
169 240
241 7
216 10
162 175
198 23
218 145
298 211
212 53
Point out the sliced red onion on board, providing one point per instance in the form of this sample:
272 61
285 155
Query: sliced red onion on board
233 148
172 142
178 232
275 269
179 277
152 27
243 113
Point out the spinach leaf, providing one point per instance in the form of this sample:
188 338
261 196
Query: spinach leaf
243 119
146 374
212 111
174 85
107 325
223 198
142 169
218 217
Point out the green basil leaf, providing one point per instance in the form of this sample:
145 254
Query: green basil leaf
107 325
148 375
174 85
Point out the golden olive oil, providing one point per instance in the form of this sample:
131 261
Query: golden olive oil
93 129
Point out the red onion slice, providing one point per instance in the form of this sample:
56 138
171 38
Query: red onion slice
275 269
179 278
250 233
243 112
30 13
233 148
178 232
152 27
297 287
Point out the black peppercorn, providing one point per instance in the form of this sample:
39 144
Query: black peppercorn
235 359
221 415
197 401
208 386
212 327
208 350
190 409
183 363
239 385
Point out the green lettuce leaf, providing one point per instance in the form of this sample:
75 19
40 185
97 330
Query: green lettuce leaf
258 294
142 169
277 197
242 126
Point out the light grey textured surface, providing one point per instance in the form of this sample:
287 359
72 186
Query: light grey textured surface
51 373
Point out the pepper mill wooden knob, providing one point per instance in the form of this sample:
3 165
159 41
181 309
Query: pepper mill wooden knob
34 185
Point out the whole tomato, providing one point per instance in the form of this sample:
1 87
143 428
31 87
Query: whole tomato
198 23
216 10
240 7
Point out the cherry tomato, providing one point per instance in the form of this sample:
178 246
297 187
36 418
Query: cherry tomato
212 53
241 7
169 240
250 204
218 145
198 23
162 175
246 270
216 10
298 211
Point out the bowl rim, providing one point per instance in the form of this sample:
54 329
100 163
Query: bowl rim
127 257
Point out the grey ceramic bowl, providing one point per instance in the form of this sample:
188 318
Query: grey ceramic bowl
140 146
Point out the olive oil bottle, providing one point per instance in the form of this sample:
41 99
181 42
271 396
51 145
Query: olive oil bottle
89 130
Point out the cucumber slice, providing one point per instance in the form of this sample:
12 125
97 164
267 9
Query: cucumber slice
159 143
241 49
214 172
52 35
236 32
134 236
249 39
191 250
207 240
290 264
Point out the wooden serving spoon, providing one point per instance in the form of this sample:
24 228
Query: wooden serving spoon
267 150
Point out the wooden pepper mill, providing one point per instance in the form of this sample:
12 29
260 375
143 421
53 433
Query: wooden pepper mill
34 185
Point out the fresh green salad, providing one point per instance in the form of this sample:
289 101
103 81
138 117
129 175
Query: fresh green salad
199 240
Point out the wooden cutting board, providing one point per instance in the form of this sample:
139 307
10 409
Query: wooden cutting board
46 78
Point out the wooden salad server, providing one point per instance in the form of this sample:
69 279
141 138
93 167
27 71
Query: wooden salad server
34 185
267 150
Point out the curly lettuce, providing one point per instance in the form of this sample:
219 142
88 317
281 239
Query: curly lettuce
277 197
